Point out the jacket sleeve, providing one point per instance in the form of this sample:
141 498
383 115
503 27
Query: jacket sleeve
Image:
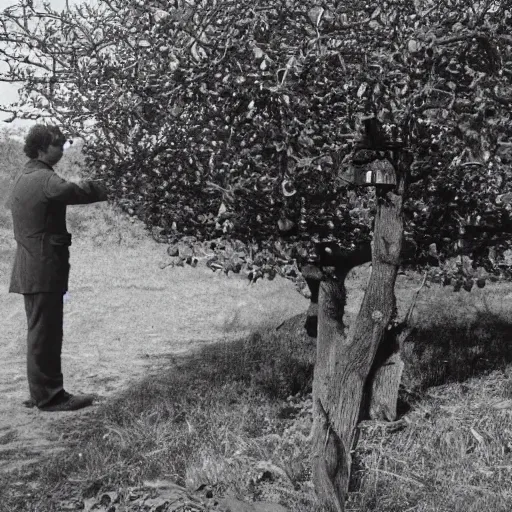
58 189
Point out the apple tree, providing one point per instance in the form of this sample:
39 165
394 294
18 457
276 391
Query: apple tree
254 123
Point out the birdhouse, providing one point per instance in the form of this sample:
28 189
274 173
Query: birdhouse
375 173
370 163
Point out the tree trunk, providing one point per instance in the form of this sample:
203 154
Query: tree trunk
344 360
384 384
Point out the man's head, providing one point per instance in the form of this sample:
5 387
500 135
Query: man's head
45 143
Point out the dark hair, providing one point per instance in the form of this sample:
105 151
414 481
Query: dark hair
40 137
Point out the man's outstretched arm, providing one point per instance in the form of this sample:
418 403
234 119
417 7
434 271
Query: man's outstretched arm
58 189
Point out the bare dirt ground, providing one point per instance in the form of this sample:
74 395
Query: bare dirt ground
122 313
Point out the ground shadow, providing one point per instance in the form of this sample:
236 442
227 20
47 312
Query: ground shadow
457 350
280 361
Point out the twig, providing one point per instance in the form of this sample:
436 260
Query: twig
280 325
217 187
463 37
476 488
415 298
400 477
466 164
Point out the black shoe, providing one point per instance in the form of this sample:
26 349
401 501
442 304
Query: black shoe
68 402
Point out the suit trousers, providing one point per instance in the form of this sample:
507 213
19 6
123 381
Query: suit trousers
44 345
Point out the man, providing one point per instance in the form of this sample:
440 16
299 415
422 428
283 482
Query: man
41 266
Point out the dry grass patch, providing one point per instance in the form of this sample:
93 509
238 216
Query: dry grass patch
451 452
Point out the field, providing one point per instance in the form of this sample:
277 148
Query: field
204 381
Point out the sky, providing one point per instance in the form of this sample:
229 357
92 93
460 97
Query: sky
8 92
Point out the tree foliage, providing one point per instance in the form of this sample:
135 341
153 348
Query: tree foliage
238 119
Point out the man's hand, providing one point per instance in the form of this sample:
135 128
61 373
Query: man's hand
101 186
96 187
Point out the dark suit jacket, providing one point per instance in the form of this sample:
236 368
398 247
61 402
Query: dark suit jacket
38 204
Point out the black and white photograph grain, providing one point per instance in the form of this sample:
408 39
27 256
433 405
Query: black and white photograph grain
255 256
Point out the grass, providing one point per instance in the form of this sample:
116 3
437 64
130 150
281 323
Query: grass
459 335
217 418
452 454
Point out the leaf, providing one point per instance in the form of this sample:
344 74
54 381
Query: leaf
222 209
362 89
432 249
413 46
467 266
258 52
285 224
315 14
197 52
375 13
173 250
288 189
504 198
306 141
304 162
392 17
160 15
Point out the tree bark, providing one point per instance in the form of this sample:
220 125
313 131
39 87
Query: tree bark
386 375
384 380
344 360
